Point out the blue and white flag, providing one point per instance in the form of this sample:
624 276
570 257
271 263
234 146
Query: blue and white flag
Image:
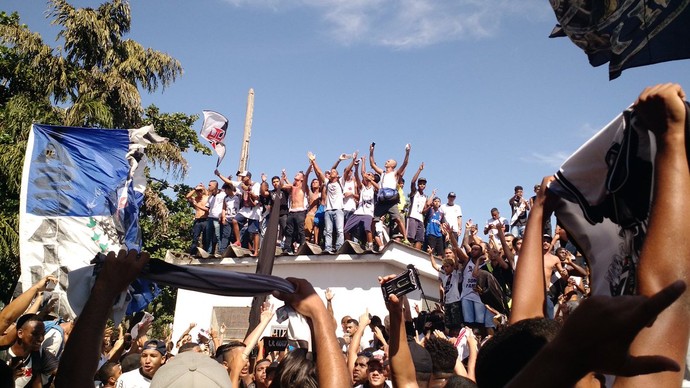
81 193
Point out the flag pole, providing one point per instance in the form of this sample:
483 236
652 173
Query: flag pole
249 117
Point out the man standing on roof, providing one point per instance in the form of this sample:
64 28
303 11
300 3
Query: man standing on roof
453 214
388 198
335 218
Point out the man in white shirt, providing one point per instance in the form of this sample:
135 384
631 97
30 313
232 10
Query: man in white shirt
152 358
453 213
215 211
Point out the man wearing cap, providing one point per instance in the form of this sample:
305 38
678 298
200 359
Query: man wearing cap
198 198
419 204
152 357
453 214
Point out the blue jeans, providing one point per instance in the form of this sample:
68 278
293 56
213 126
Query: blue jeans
198 228
226 237
475 312
337 219
212 234
517 230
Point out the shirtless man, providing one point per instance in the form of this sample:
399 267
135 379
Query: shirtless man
389 180
198 198
551 263
294 228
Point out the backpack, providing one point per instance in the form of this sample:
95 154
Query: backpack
56 325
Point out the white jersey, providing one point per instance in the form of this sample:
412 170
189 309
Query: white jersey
366 201
468 283
253 212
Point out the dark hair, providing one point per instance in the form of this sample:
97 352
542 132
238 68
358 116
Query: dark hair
275 177
187 347
130 362
263 360
352 320
27 318
227 347
106 371
512 348
493 209
456 381
228 186
443 355
296 370
518 187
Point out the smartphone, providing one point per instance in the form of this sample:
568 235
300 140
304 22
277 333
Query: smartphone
402 284
281 314
373 144
50 285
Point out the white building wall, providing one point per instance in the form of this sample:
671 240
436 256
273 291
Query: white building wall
353 279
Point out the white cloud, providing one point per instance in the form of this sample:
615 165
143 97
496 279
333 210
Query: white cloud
587 130
409 23
554 159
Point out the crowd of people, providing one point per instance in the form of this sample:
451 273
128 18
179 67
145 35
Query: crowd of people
516 307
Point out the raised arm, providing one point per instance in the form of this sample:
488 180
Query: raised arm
402 368
371 160
356 339
79 359
403 166
528 286
432 259
319 173
330 365
350 165
223 178
413 182
253 337
507 250
662 109
16 308
461 254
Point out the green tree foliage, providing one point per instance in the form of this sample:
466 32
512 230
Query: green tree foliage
93 78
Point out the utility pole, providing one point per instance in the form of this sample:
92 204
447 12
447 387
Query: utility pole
244 154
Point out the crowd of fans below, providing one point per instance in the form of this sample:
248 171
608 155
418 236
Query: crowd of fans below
516 308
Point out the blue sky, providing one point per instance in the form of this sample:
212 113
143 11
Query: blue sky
486 99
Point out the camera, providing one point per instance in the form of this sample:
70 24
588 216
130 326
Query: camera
402 284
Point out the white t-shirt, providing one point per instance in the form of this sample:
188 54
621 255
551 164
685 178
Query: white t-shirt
334 196
232 206
366 201
417 206
254 212
133 379
468 283
450 285
215 205
452 213
349 203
